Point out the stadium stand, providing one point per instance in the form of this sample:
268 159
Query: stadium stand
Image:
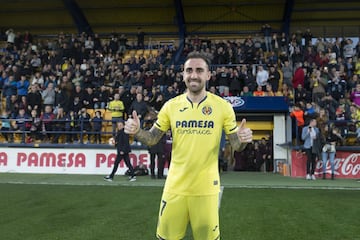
234 36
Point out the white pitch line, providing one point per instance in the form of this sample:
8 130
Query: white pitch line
140 184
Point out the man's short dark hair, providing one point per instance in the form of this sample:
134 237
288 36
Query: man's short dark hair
194 54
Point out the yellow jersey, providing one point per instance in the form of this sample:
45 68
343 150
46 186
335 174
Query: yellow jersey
117 108
196 131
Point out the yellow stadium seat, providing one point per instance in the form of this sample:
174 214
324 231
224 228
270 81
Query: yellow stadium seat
154 52
91 112
140 51
107 117
147 53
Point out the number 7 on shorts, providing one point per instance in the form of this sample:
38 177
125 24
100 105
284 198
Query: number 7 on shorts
163 207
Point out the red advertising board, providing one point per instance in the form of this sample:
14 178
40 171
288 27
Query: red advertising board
347 165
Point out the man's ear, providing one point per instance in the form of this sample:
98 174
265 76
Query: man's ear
208 75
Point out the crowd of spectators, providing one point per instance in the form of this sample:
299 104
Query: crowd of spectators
45 82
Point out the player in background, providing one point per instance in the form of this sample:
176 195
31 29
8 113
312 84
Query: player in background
196 119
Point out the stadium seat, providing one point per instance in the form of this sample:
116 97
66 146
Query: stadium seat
107 117
147 53
91 112
139 52
155 52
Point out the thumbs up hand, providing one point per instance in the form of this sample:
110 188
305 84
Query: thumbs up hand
132 125
244 134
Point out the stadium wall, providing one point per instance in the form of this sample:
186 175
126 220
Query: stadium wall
66 161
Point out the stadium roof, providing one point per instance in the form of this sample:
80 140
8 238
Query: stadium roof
181 17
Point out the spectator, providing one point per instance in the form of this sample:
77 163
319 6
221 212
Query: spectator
71 127
159 80
274 78
89 44
21 123
269 165
269 91
246 92
122 43
357 64
47 118
169 93
149 79
299 76
309 55
140 38
309 135
355 96
348 49
34 99
48 95
301 95
58 125
318 85
235 83
284 41
35 126
139 106
128 97
262 77
287 71
342 116
287 92
22 86
297 115
10 37
309 112
102 97
267 31
307 37
89 98
351 84
35 63
117 108
84 125
336 87
158 102
259 92
38 79
13 106
9 89
78 79
97 126
214 81
6 127
272 58
349 68
331 138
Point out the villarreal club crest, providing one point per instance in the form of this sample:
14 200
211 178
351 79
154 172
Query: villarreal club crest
206 110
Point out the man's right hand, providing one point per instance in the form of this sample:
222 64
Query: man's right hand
132 125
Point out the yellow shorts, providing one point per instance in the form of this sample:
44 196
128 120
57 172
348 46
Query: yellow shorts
176 211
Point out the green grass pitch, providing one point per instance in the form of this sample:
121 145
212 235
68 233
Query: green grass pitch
255 206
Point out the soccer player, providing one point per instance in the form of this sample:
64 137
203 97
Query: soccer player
196 119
